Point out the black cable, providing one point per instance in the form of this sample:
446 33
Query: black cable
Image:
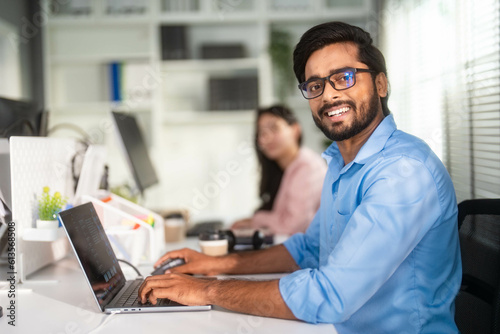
86 137
130 264
78 154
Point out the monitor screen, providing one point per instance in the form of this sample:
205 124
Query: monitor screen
21 118
135 149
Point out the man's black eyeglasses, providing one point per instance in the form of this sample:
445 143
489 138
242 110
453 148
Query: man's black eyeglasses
340 80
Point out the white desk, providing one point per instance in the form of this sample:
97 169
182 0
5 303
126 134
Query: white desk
68 307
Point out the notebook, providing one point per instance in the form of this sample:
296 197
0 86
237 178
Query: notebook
112 293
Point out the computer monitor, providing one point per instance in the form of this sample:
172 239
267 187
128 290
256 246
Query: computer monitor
21 118
135 149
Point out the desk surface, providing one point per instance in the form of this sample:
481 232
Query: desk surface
67 306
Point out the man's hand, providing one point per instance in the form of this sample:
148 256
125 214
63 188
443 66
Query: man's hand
196 263
180 288
240 296
271 260
257 298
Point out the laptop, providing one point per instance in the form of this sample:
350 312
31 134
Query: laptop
111 291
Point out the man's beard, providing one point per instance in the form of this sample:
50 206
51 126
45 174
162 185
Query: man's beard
360 120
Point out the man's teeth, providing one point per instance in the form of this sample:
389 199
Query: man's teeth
338 111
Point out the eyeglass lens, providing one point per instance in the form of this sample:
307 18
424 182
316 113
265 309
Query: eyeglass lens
339 81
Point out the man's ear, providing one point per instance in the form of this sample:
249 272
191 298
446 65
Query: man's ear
381 84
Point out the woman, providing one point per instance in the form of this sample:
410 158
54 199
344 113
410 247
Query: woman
291 175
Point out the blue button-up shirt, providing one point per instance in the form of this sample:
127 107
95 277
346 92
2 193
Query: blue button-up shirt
382 253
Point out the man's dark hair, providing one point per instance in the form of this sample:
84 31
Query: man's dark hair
328 33
270 172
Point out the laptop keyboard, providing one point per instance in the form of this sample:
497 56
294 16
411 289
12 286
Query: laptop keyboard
130 298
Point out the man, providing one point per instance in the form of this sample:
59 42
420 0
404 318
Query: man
382 253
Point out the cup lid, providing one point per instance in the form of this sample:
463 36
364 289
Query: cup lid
173 215
212 235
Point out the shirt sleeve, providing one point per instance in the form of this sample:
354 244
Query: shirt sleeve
299 199
399 205
304 247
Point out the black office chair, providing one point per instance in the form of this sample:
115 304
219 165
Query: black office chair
478 301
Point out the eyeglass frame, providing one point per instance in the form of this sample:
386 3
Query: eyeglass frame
327 78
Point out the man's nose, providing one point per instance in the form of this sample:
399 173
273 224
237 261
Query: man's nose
330 93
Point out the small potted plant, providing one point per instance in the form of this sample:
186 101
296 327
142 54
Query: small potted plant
48 208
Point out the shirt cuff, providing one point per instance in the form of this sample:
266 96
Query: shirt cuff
294 246
301 295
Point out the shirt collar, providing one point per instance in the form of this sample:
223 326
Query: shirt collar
373 145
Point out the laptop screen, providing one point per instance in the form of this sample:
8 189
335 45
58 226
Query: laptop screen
93 251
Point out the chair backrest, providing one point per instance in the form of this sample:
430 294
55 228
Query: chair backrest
478 302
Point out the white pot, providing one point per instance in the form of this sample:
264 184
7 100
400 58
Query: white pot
47 224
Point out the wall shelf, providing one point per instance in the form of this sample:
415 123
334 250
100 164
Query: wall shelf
45 235
100 108
210 65
313 16
67 20
99 58
209 117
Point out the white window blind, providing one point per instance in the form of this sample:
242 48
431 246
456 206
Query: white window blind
443 60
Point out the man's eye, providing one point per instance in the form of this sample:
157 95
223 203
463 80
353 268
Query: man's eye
314 86
344 77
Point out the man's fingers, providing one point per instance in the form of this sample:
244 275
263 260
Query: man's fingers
164 258
177 287
150 283
182 269
195 262
183 253
158 293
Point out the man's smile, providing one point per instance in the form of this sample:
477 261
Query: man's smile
335 113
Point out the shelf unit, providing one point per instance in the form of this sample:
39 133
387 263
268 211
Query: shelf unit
43 235
188 142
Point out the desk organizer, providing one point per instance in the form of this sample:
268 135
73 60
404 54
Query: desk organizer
132 238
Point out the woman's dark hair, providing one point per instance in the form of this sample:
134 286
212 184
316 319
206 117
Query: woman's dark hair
270 171
328 33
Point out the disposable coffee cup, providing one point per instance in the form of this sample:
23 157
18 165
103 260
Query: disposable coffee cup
213 243
175 228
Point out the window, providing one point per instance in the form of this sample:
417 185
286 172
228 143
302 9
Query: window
443 60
